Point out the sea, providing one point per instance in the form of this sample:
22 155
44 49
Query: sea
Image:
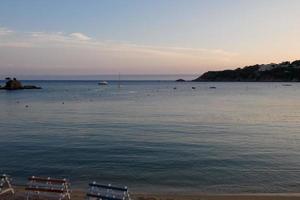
156 136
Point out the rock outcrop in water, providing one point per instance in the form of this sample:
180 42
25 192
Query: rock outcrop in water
283 72
14 84
180 80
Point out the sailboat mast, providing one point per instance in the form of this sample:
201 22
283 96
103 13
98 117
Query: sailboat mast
119 83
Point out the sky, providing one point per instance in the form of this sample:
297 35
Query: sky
80 37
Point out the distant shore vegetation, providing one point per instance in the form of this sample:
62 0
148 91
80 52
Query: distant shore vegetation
282 72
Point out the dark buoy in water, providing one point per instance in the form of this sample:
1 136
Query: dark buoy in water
194 88
175 88
212 87
63 102
26 106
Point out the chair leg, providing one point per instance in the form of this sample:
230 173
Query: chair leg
13 196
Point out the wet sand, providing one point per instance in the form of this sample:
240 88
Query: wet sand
80 195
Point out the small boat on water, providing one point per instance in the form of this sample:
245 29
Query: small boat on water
103 83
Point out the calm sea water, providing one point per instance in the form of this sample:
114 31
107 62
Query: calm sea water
239 137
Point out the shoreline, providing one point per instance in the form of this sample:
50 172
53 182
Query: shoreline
79 194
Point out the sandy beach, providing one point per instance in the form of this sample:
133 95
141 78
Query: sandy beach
79 194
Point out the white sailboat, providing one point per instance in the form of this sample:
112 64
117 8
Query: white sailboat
103 83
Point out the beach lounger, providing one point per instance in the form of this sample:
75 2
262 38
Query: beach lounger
107 192
48 188
5 185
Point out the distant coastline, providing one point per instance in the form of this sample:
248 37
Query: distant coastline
283 72
107 77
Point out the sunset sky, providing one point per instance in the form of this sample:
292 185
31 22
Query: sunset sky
80 37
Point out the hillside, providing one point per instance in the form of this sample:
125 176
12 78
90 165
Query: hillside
283 72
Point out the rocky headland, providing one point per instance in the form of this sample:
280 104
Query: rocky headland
283 72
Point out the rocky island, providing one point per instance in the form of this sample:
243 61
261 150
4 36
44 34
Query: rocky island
283 72
14 84
180 80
